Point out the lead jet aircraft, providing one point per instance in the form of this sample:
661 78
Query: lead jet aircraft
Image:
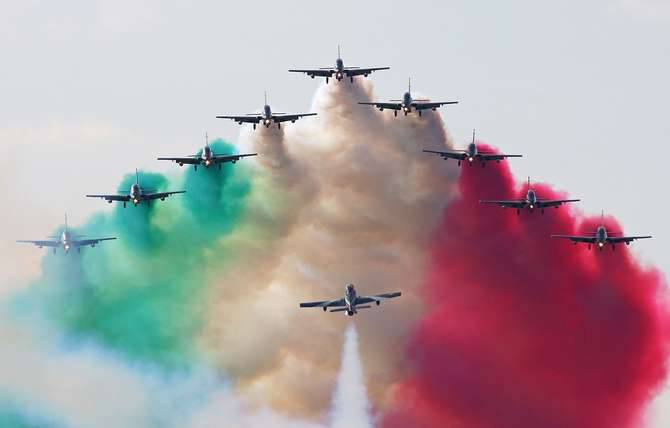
136 194
531 202
601 237
67 240
266 118
351 302
471 154
408 104
339 71
207 158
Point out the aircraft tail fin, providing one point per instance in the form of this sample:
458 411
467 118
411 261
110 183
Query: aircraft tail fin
409 85
66 221
338 52
265 94
137 177
473 135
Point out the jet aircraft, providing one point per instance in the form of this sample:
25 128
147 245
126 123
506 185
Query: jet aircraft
351 301
471 154
530 202
67 240
136 194
267 117
408 104
207 158
339 71
601 237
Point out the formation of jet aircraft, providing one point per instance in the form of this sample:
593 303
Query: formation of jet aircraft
267 117
408 104
471 154
207 157
351 302
67 241
601 237
136 194
531 202
339 71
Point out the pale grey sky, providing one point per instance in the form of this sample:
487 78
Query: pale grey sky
580 88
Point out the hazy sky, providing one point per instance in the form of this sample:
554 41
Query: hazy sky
91 89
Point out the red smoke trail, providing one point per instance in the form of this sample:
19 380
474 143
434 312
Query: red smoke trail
525 331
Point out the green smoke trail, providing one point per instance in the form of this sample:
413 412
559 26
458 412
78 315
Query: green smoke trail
11 417
144 295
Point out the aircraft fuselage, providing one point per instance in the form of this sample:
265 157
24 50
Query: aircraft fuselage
65 240
339 69
267 115
135 194
350 299
407 102
531 199
206 156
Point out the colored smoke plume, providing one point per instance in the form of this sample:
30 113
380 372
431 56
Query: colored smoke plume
346 196
143 295
525 331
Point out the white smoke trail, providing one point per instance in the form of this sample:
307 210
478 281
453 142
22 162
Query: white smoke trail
351 408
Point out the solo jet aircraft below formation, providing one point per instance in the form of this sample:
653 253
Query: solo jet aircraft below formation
207 158
351 301
408 104
267 117
339 71
531 202
67 240
136 194
601 237
471 154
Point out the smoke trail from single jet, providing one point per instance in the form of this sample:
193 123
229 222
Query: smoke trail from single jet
350 404
525 331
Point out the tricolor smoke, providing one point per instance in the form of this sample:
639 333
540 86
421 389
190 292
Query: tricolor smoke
524 331
196 305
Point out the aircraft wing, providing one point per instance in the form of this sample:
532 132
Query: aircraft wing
431 105
626 239
231 158
546 203
85 242
323 72
189 160
448 154
290 117
491 156
41 243
519 203
361 300
363 71
243 119
324 304
160 195
124 198
382 106
573 238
